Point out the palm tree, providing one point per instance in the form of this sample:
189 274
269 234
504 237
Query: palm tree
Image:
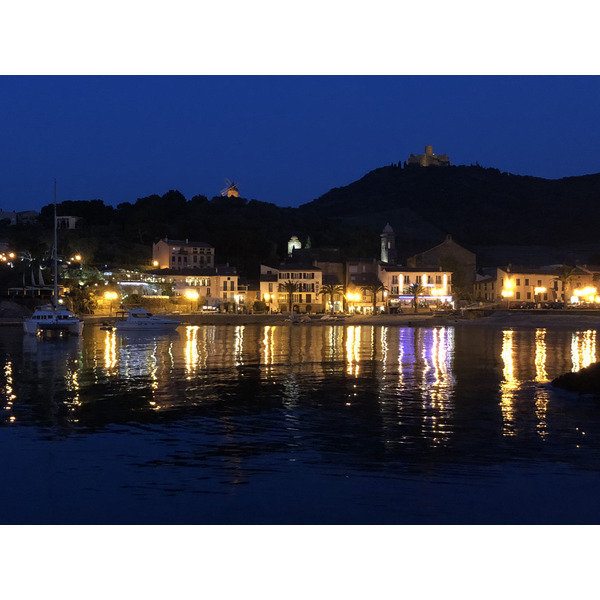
289 288
416 289
331 289
373 289
82 300
565 275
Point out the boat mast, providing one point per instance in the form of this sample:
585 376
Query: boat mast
55 255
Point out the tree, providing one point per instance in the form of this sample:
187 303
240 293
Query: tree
82 300
260 306
416 290
373 289
290 288
330 290
166 289
565 275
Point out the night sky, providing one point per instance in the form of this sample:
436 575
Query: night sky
285 139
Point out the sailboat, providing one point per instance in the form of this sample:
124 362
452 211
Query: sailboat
50 317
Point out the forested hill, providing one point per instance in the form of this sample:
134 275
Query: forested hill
477 206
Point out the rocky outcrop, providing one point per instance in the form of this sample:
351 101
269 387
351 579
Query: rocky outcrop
585 381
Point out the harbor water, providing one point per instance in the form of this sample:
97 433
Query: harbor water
298 424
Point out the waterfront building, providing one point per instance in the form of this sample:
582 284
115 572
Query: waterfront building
524 285
306 298
213 288
397 279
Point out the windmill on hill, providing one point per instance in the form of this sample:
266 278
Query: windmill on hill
231 191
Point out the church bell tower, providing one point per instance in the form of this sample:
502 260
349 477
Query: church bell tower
388 245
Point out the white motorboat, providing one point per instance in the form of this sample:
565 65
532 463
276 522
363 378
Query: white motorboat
47 318
139 319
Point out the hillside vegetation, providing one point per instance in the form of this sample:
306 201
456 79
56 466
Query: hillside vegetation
479 207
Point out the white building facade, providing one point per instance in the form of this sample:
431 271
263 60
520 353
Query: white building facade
306 298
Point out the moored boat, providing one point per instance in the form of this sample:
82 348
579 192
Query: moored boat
139 319
47 318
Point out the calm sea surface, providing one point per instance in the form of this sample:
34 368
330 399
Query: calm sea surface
298 424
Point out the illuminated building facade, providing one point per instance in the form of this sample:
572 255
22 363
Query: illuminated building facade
306 298
182 254
525 285
213 288
397 279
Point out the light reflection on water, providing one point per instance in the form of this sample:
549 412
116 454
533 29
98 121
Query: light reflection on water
395 365
238 401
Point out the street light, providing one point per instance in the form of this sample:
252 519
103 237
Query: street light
110 296
192 295
269 301
538 291
507 294
352 298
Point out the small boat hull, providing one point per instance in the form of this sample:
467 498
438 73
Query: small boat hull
142 320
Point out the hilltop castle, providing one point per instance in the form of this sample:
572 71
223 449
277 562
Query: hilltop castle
429 159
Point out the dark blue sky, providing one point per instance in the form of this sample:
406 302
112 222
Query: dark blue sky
285 139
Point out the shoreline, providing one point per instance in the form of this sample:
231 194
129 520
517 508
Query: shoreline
545 319
468 319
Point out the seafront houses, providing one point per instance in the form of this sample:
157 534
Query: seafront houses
182 254
305 298
206 288
435 283
361 275
519 285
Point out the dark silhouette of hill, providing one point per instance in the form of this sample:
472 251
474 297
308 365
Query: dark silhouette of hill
483 209
478 206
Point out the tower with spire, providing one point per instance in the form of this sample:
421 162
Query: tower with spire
388 245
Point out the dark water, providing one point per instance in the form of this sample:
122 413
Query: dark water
306 424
